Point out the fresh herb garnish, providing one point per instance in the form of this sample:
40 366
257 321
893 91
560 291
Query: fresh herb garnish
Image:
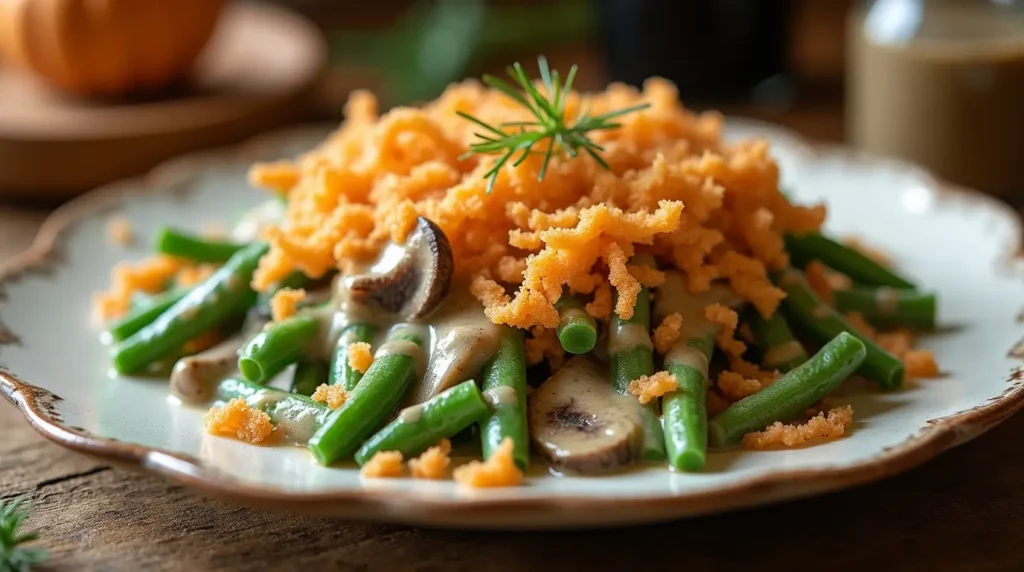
550 123
14 557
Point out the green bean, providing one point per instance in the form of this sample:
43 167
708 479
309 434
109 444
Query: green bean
779 349
223 295
419 426
177 243
308 376
144 313
396 364
792 393
632 356
279 345
806 247
294 279
889 307
282 406
685 409
577 330
341 373
803 307
504 380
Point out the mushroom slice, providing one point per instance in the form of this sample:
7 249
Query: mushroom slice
581 424
194 378
409 280
463 340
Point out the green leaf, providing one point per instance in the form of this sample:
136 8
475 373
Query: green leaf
13 556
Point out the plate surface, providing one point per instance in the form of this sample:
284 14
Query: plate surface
54 368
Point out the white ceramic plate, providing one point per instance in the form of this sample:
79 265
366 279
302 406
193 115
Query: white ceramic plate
54 368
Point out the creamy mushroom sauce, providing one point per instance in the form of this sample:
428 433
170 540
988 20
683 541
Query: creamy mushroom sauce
692 308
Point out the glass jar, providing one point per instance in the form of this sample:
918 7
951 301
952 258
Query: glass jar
941 83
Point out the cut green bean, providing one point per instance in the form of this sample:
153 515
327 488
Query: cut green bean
504 383
779 349
632 356
144 313
341 373
176 243
804 309
285 409
577 330
396 364
791 394
804 248
419 426
887 307
223 295
279 345
685 409
308 376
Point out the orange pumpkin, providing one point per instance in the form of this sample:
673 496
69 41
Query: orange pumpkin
106 47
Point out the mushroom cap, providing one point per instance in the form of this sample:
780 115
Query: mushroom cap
409 280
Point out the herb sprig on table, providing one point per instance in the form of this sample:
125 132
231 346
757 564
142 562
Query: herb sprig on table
14 557
549 124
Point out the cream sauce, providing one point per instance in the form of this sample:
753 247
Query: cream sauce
887 300
462 341
406 348
296 422
685 354
676 298
779 355
501 395
581 424
411 414
629 337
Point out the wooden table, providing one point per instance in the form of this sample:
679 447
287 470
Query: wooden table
963 511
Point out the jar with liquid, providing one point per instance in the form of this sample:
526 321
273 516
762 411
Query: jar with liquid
941 83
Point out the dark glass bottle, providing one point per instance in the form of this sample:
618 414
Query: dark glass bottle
714 50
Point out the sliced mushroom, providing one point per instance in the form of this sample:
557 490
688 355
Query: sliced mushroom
409 280
581 424
194 378
464 339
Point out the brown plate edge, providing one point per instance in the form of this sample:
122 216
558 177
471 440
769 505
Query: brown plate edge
37 405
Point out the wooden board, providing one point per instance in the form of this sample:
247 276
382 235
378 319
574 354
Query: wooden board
254 75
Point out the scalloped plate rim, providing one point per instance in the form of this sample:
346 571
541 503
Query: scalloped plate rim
37 404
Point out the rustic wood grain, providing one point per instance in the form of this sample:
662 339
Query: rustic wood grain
962 511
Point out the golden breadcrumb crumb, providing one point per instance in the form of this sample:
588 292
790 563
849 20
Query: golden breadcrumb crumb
601 306
716 403
333 395
667 332
736 387
119 230
150 275
360 356
817 279
236 419
284 303
729 320
432 463
383 465
920 364
897 342
544 345
650 387
203 342
876 254
194 274
857 322
816 429
745 333
499 470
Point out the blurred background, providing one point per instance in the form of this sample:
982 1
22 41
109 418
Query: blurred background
92 92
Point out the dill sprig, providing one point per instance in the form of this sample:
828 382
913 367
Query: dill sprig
550 124
13 556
